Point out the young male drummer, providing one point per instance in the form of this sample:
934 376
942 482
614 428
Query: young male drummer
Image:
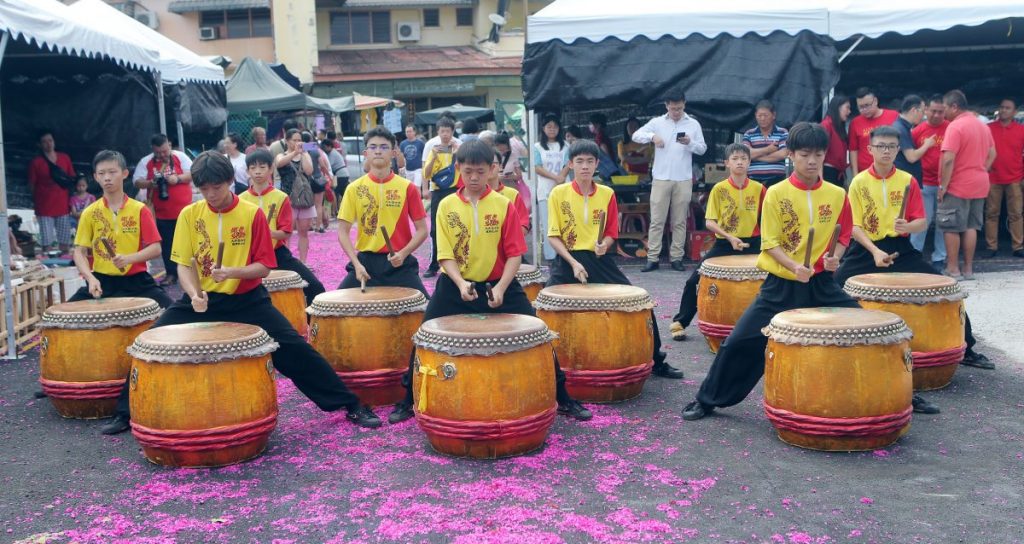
575 213
882 235
734 215
261 192
226 285
790 209
382 200
479 244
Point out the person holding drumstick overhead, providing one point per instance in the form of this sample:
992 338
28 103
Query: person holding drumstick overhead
583 223
479 247
799 221
223 250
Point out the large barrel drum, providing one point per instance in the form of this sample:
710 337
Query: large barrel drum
728 285
933 308
82 359
202 394
838 379
532 280
484 384
285 287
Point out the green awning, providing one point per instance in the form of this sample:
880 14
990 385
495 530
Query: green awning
191 6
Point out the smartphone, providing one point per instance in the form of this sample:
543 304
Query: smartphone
680 135
443 149
309 146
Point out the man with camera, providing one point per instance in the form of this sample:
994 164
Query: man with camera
166 176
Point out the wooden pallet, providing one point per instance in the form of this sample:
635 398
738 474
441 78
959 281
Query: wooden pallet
31 299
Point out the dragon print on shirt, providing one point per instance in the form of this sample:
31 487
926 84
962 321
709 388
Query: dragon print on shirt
731 211
368 219
791 236
106 230
204 255
461 247
568 231
870 221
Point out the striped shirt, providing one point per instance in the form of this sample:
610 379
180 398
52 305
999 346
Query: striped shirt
754 139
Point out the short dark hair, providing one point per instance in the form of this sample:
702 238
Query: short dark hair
675 96
910 102
291 132
885 131
212 168
575 131
158 140
445 122
765 105
956 98
807 136
259 156
599 119
935 98
737 148
475 152
502 138
584 147
43 132
109 155
307 136
331 135
327 145
470 126
413 127
289 124
235 139
1009 99
864 91
379 132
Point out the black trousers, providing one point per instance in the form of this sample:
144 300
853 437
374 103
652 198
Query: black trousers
739 364
599 270
287 261
166 229
722 248
768 181
382 274
295 359
136 285
447 300
834 176
435 198
858 260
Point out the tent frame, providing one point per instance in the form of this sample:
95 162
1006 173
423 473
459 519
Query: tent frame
5 233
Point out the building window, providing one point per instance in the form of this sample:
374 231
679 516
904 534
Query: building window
431 18
464 17
239 23
356 27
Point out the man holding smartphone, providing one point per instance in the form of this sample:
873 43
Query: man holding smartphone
676 137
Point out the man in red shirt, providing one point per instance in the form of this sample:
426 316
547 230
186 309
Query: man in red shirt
166 176
967 154
871 116
1006 175
934 126
50 198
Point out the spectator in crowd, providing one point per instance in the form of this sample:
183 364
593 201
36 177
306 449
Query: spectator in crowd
599 128
513 151
80 200
232 148
392 118
1005 176
281 145
834 123
439 171
909 157
288 166
166 176
412 148
321 180
871 116
551 161
333 136
767 143
635 158
967 154
431 143
51 177
487 137
339 171
676 137
259 140
573 133
470 130
935 126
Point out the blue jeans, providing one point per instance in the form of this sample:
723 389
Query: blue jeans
929 193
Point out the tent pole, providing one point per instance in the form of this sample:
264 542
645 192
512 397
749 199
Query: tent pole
850 50
181 135
5 236
528 123
160 102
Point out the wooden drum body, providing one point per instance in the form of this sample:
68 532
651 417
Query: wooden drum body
838 379
728 286
484 384
286 294
82 358
532 280
367 337
202 394
933 308
606 338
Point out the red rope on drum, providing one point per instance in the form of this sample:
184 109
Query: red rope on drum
785 420
98 390
486 430
370 379
608 378
714 330
927 359
215 438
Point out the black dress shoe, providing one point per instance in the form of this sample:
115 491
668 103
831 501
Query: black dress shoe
363 416
401 413
117 425
1019 253
678 266
977 360
988 253
695 410
922 406
40 394
430 273
651 265
665 370
575 410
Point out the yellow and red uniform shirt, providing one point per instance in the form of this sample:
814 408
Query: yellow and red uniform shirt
282 219
516 199
243 229
576 218
790 210
479 238
737 210
371 203
876 201
132 229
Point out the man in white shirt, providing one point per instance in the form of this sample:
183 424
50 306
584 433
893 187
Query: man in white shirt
677 137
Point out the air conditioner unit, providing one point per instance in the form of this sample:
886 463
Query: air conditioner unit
409 31
208 33
147 18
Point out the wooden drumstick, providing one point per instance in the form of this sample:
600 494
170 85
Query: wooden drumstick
892 257
270 213
109 246
903 205
810 247
835 241
490 293
220 255
195 275
600 228
362 285
387 240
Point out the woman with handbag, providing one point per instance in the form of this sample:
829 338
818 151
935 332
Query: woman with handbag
295 168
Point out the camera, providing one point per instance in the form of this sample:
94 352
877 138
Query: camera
161 185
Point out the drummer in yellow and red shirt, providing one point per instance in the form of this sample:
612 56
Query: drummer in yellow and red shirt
790 209
261 192
378 201
230 288
574 218
480 243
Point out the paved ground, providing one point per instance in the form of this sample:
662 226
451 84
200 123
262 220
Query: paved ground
636 473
